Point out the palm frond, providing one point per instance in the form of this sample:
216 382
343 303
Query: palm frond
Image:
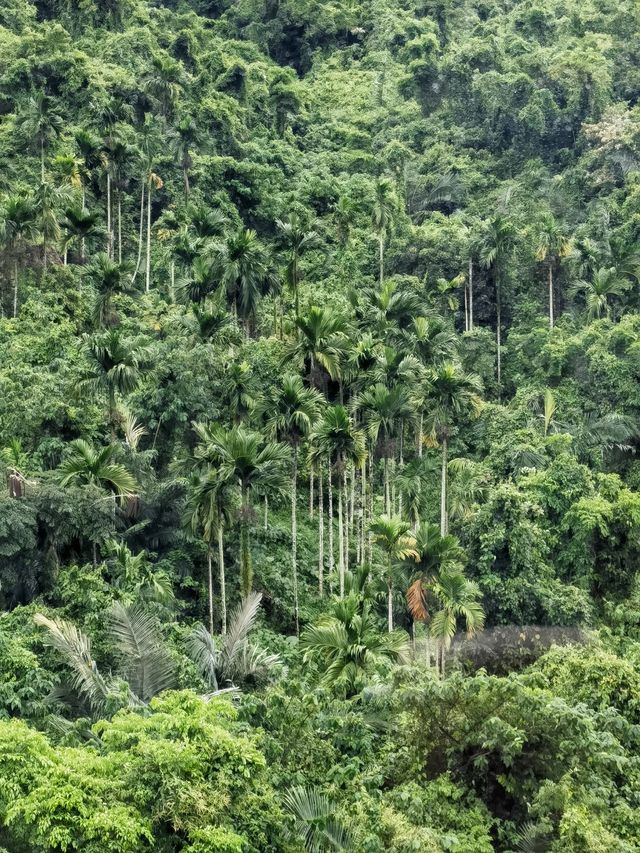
136 633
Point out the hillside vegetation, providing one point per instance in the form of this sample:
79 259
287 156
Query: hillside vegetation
319 409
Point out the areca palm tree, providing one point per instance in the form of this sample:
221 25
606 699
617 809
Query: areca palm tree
242 266
605 283
382 217
337 439
458 599
383 410
209 511
392 534
349 647
293 414
551 245
452 394
242 458
40 123
108 279
49 202
18 225
321 345
186 138
296 237
78 225
496 247
115 366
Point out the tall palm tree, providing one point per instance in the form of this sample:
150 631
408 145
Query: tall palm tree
457 599
187 137
296 237
115 366
605 283
349 647
452 394
244 459
551 245
108 278
497 245
79 225
292 415
242 265
337 439
40 123
49 201
382 217
209 511
321 344
383 411
18 226
164 82
392 534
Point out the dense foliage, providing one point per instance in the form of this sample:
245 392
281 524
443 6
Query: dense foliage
319 403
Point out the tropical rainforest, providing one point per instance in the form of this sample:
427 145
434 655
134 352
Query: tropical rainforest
319 410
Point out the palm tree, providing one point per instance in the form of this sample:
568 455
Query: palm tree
79 224
337 439
243 458
241 264
115 365
17 227
209 511
40 123
235 660
321 344
292 415
295 237
145 665
496 248
452 394
164 83
108 279
382 218
348 645
48 203
457 598
411 482
383 410
391 533
315 823
605 283
186 138
551 245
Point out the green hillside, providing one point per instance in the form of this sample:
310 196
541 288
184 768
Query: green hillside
319 410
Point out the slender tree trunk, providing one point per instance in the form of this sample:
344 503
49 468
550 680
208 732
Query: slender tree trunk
340 541
550 296
210 580
331 552
172 294
311 478
390 599
470 294
185 173
387 492
42 161
119 225
420 434
345 488
444 519
15 287
94 548
245 551
363 509
352 508
141 231
370 518
223 584
294 535
320 532
499 332
381 261
266 512
147 285
466 306
109 227
65 255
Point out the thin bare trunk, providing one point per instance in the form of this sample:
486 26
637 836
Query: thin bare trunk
550 295
147 285
444 520
311 478
266 512
390 602
471 294
363 509
340 541
294 536
119 225
15 287
223 586
320 533
109 229
331 553
387 493
210 579
499 331
135 272
345 559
